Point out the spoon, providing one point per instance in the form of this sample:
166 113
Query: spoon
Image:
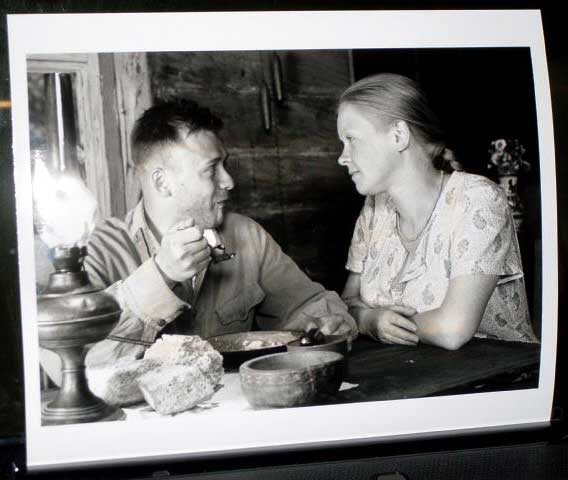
312 337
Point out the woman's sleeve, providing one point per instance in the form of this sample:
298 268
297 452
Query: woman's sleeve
361 237
483 237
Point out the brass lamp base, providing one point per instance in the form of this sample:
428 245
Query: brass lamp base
74 402
99 412
73 314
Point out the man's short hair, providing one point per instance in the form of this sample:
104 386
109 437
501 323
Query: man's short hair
169 122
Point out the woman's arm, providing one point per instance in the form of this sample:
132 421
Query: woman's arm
455 322
450 326
388 324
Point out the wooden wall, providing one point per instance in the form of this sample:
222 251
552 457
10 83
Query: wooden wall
287 178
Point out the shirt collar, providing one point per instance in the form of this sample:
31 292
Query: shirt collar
146 243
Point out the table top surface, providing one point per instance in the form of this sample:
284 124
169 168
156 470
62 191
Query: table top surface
390 372
378 372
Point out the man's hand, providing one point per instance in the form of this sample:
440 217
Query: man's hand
184 252
334 324
390 324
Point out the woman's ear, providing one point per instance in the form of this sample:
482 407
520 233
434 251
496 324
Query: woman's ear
401 135
159 182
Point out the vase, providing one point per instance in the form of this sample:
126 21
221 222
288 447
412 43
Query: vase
509 183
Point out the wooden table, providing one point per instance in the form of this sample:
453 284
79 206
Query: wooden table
391 372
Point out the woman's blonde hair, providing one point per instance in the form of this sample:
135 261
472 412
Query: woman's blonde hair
396 97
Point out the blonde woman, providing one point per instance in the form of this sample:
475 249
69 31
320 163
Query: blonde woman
434 256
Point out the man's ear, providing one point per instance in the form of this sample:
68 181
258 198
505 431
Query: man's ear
401 135
160 182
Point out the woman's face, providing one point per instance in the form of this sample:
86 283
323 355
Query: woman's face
369 153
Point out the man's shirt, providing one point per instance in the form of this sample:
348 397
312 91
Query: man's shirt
260 287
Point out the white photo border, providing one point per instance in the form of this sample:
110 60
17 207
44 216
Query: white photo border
79 445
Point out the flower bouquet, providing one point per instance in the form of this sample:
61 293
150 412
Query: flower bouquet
507 157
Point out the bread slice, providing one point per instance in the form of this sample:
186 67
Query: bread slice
190 369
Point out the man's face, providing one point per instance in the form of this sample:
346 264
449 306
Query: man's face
199 182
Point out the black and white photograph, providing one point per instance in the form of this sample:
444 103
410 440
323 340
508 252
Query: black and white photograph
269 235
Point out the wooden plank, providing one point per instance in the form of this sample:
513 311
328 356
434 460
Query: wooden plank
133 90
228 83
113 147
314 72
241 115
203 74
256 180
315 178
256 193
306 202
243 126
265 177
308 123
391 372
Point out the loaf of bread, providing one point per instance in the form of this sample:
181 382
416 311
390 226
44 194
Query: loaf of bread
171 389
189 350
117 384
179 372
190 370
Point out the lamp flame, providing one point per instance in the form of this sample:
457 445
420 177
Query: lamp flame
65 211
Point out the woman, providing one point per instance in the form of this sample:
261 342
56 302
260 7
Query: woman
434 256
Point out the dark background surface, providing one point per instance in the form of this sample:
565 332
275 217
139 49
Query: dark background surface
540 454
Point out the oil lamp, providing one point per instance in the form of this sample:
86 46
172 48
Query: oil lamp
72 313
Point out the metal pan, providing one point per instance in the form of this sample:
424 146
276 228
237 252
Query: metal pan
237 348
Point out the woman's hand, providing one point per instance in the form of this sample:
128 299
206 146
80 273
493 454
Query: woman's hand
390 324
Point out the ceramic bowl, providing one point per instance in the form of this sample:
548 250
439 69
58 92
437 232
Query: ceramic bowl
291 379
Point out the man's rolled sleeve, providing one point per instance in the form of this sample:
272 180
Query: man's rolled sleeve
148 305
146 294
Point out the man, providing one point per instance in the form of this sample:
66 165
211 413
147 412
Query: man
160 267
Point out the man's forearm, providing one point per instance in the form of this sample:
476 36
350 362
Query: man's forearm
147 306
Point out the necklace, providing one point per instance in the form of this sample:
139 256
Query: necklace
409 243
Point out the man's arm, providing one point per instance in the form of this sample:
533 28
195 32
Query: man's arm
147 304
293 301
143 291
